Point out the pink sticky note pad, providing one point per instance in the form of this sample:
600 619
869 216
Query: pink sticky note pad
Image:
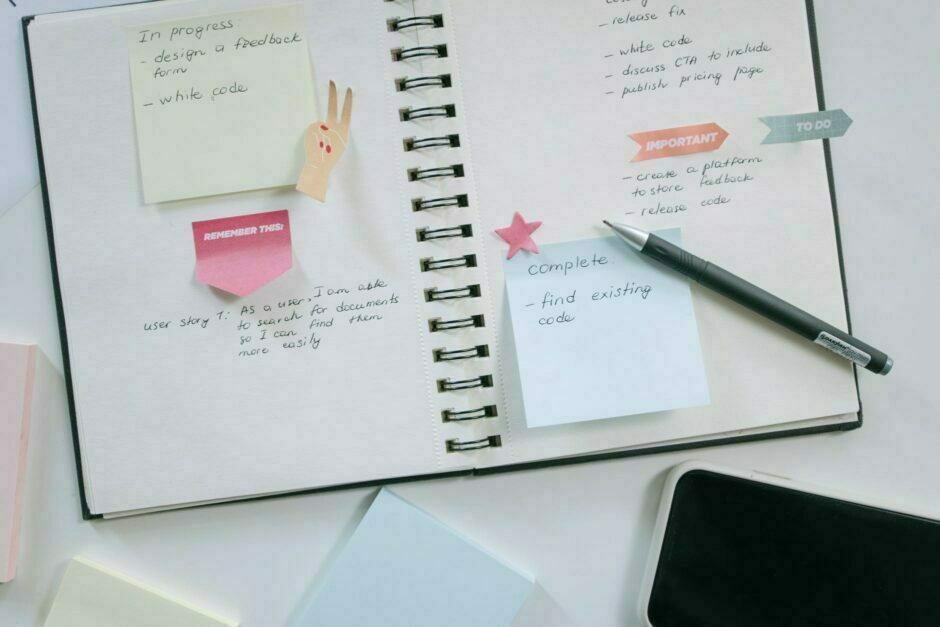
17 370
242 253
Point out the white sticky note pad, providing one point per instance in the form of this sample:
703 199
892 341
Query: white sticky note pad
601 332
221 102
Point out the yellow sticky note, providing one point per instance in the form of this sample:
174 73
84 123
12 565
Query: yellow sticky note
221 101
92 596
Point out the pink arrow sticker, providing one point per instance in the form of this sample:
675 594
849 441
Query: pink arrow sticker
242 253
683 140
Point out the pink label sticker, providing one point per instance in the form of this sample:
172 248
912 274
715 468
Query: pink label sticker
242 253
683 140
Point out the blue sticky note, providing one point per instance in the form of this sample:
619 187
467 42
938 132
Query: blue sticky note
403 568
601 332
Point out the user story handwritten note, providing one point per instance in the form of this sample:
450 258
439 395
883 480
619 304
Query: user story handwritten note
221 102
601 332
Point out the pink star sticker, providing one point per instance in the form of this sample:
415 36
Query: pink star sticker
519 235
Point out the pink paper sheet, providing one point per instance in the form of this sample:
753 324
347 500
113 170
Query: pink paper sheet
17 373
242 253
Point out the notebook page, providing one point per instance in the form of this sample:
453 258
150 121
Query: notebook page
552 91
190 410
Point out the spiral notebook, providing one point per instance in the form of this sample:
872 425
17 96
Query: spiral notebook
465 112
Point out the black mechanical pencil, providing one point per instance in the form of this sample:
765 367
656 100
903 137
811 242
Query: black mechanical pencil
754 298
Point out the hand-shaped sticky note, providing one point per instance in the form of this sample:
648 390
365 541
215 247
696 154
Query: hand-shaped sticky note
519 235
242 253
324 144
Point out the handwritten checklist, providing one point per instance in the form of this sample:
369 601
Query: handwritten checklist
601 332
221 102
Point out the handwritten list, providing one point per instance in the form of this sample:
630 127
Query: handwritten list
654 51
681 58
221 101
261 329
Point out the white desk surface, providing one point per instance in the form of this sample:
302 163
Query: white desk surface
583 530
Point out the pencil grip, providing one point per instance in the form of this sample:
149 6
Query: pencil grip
674 257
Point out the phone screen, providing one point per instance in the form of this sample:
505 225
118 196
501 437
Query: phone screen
740 552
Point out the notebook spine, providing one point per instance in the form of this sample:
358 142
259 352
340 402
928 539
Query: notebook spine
442 204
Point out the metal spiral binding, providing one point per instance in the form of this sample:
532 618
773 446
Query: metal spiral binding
466 261
426 234
487 411
422 174
436 324
444 141
442 354
420 204
441 81
410 114
449 385
491 441
401 23
432 294
418 52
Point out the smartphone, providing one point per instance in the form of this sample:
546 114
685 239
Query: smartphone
741 548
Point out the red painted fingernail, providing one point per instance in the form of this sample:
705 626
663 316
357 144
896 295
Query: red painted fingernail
329 149
324 127
321 144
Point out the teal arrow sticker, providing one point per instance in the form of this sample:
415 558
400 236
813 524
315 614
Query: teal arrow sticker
805 126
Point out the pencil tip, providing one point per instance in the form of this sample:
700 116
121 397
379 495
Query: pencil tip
608 223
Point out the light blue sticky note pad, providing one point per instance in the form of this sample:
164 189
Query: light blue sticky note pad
403 568
602 332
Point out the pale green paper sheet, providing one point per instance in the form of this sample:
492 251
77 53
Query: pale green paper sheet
193 139
92 596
